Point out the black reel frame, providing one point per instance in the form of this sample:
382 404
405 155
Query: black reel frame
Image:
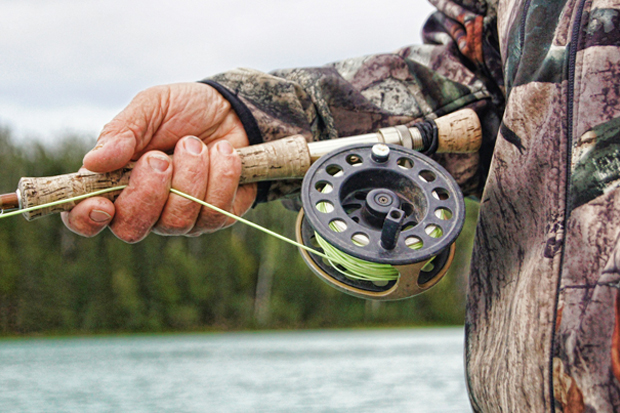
384 204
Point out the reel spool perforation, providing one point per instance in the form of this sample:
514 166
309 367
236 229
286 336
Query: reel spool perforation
348 195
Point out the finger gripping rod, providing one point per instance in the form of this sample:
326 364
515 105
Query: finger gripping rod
288 158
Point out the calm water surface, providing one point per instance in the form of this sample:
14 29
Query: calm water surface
409 370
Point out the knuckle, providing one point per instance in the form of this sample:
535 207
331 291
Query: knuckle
174 225
231 174
211 221
179 216
150 92
229 222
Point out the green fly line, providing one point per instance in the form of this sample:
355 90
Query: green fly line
352 267
357 268
348 265
174 191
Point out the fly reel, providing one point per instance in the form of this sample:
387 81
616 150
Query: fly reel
383 204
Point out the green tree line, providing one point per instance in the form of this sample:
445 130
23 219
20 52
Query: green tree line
54 282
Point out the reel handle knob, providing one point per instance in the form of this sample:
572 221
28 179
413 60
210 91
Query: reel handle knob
391 228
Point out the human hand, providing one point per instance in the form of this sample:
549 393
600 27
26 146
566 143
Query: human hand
196 124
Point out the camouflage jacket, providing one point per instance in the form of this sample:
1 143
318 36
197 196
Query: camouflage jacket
543 315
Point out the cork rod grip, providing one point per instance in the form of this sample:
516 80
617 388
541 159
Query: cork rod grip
39 191
286 158
459 132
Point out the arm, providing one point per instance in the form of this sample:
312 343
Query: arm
456 68
345 98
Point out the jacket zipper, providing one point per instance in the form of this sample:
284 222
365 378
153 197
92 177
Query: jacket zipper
570 104
572 58
526 8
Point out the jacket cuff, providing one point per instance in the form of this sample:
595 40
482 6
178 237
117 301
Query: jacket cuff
249 124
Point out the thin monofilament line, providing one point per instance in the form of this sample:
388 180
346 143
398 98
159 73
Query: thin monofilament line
250 223
62 201
359 269
175 191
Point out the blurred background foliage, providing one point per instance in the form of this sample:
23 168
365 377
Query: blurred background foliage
54 282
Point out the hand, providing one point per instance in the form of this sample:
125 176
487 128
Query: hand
195 123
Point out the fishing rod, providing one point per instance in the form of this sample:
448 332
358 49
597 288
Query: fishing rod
379 218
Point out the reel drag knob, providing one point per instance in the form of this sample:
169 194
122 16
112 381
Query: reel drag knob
382 204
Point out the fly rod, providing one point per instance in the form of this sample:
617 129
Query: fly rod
287 158
385 213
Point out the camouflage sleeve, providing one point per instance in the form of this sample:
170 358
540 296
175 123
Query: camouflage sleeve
359 95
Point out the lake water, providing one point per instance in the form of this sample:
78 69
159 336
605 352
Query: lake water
396 370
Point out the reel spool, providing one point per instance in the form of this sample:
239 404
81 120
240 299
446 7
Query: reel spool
383 204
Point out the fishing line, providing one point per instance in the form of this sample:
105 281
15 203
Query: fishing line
174 191
353 267
62 201
359 269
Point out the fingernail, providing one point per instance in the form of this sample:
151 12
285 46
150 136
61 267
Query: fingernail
225 148
193 145
159 163
99 216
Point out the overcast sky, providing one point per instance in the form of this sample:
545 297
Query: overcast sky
71 65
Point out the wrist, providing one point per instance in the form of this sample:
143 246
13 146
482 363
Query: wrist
245 116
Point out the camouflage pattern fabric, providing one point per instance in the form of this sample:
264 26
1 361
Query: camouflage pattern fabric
543 315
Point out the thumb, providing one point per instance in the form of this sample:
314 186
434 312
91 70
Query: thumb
129 132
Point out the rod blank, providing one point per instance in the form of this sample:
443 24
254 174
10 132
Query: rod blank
9 201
